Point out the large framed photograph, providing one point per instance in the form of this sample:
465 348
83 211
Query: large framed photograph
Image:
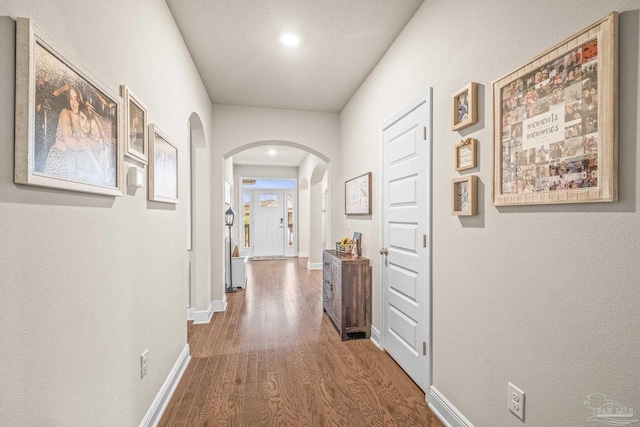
465 106
136 126
357 195
466 157
68 125
555 123
464 196
163 167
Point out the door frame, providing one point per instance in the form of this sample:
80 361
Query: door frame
240 193
425 97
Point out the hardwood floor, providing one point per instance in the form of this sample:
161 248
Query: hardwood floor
274 359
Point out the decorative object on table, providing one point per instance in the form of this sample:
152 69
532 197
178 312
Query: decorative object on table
356 243
465 106
555 123
466 154
68 124
343 246
163 167
229 220
357 195
136 126
465 196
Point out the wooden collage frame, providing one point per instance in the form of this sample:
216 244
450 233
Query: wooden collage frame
579 169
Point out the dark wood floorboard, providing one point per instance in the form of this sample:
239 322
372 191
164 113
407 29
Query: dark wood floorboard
274 359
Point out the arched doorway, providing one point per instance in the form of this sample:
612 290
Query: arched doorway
198 224
308 229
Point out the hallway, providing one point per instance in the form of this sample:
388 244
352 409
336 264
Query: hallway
274 359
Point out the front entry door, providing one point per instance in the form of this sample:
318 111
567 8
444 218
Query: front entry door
268 223
406 223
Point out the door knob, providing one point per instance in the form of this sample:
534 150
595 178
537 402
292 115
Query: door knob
384 251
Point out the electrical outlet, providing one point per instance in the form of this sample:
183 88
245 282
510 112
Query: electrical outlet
515 401
144 363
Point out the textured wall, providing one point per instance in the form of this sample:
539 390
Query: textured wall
545 297
89 282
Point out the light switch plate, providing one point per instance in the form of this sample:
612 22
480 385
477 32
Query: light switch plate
135 177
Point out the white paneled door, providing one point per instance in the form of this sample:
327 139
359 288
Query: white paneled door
268 223
406 254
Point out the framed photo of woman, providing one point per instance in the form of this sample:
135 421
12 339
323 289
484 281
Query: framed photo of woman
68 123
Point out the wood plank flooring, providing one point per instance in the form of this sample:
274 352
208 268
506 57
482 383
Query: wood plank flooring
274 359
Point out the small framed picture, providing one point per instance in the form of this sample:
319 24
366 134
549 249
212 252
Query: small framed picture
163 167
465 196
136 126
465 106
466 154
357 195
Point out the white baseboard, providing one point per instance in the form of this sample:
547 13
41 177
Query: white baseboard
314 266
375 337
159 404
303 254
221 305
444 410
204 316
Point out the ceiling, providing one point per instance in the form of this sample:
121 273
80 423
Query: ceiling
260 156
236 48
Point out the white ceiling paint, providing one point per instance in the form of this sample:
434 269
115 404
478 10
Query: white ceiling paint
259 156
235 45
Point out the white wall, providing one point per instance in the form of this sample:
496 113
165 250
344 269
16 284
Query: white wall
236 128
278 172
200 254
89 282
545 297
312 170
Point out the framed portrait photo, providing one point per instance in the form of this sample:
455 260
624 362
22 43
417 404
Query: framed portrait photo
466 154
136 126
465 106
68 124
555 123
357 195
163 167
464 196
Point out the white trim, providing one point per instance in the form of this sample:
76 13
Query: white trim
314 266
204 316
303 254
159 404
375 337
448 414
220 305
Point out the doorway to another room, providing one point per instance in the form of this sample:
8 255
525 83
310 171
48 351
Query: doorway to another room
269 217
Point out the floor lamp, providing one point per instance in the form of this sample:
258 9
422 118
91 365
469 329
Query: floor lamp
230 219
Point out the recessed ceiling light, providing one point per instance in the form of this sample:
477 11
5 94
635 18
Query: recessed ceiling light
272 152
289 39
